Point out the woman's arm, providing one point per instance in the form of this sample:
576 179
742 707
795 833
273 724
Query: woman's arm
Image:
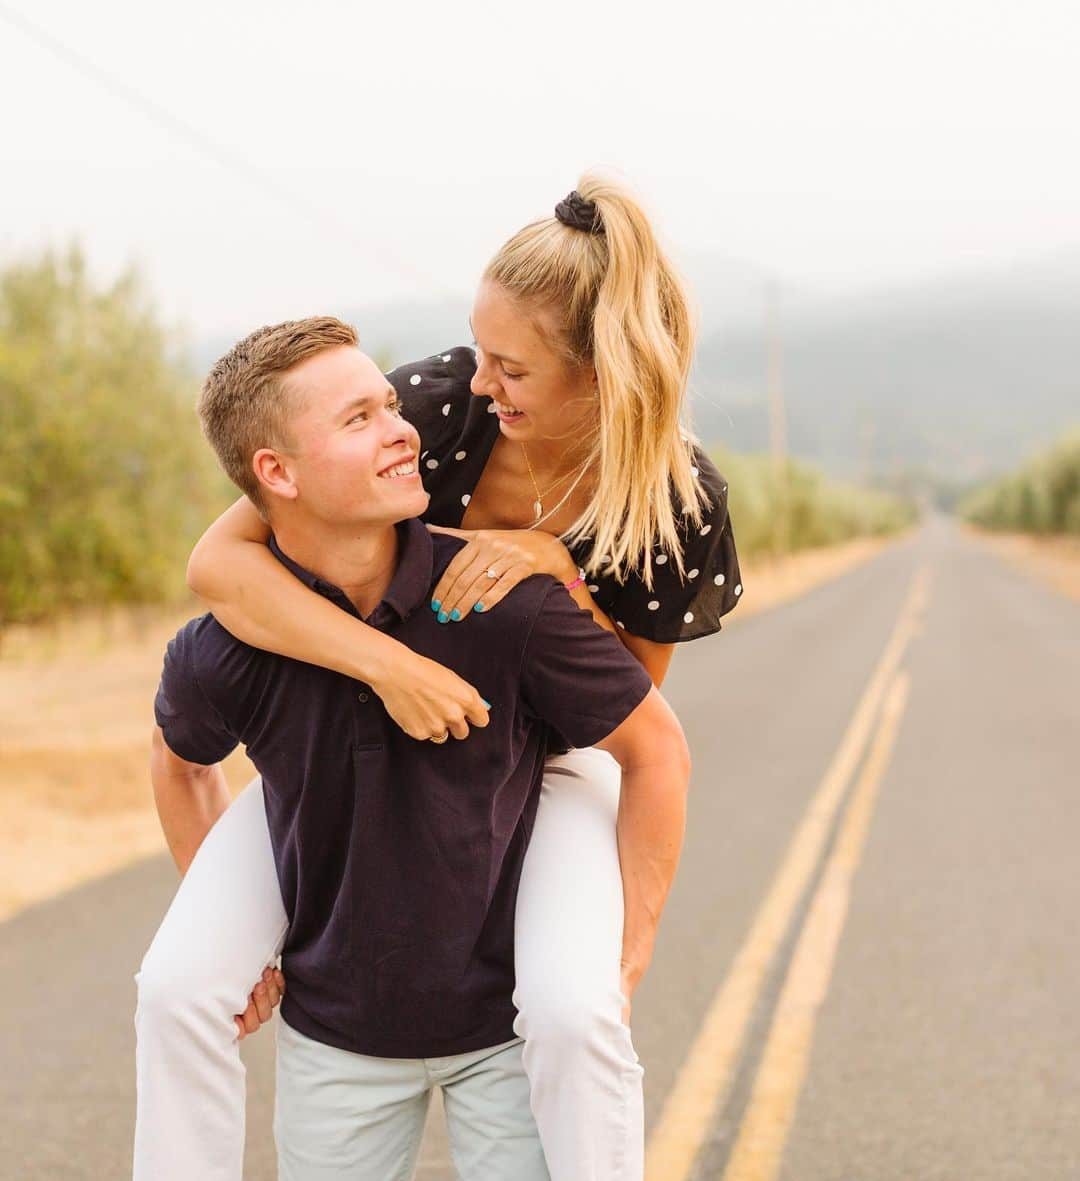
516 554
255 598
653 657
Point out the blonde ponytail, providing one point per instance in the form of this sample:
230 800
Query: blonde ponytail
624 311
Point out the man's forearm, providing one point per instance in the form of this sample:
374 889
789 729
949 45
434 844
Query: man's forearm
188 801
650 829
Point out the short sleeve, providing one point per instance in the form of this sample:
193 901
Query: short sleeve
192 727
576 676
677 609
435 393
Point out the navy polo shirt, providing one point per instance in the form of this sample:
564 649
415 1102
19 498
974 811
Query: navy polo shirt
399 859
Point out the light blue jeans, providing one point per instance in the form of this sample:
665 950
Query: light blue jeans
341 1116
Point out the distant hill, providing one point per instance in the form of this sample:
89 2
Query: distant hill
957 379
960 378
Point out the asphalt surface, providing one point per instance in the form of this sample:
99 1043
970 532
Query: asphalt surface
948 1042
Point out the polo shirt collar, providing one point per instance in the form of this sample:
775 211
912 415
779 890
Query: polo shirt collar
409 586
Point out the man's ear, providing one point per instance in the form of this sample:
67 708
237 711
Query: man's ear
271 469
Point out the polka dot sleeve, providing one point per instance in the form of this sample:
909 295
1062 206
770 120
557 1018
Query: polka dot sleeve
680 609
435 393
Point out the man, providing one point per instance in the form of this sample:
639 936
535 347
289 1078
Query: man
397 859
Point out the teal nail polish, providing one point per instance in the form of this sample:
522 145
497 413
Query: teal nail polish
487 703
435 604
455 615
443 617
478 607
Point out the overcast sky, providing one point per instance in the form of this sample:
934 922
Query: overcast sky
347 153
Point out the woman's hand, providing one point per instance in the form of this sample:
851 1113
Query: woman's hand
264 996
512 554
427 699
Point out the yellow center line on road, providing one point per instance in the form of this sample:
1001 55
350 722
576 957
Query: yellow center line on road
763 1133
710 1063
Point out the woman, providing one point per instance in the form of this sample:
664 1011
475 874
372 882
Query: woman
557 448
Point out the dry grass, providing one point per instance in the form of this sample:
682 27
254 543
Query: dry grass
1054 561
76 715
76 711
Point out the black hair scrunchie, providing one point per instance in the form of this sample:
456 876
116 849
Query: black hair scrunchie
577 213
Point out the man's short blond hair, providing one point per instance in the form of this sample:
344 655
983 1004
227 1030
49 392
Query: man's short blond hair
246 402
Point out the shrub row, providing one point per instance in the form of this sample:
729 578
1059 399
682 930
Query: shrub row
1042 496
797 506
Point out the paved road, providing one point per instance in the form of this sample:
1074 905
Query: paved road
942 1042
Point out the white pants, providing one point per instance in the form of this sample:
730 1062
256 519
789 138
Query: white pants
349 1117
227 923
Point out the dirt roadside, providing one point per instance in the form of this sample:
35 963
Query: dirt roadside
1052 560
76 714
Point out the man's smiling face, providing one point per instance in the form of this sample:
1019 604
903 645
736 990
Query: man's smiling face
352 458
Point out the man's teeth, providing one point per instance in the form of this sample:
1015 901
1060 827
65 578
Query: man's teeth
399 469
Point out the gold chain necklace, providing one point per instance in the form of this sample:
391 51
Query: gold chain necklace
538 503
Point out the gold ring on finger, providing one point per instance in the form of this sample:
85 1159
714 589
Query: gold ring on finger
441 738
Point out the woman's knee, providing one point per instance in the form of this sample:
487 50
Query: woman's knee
168 1000
568 1021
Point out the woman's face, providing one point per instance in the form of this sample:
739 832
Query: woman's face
538 395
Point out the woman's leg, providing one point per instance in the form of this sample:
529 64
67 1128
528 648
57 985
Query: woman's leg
224 926
586 1081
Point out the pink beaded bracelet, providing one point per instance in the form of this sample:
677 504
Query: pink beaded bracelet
575 584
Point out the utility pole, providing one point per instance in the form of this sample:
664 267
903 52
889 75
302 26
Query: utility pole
774 385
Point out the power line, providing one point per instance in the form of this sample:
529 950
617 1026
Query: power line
211 150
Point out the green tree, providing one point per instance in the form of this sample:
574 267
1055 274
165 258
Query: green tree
104 478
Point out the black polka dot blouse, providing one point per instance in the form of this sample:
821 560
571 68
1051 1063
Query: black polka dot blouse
457 433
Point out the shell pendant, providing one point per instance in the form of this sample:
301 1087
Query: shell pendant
538 509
